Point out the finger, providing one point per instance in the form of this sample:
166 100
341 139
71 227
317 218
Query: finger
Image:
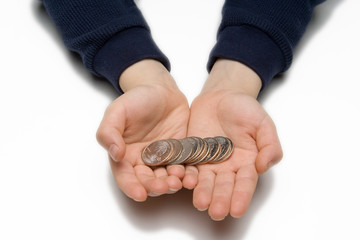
154 186
191 177
268 143
160 172
127 181
109 133
176 170
173 182
245 184
221 198
204 189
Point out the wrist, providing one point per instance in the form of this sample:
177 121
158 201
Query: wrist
147 72
230 75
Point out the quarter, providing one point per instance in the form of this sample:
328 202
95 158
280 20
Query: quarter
197 148
177 149
226 149
188 147
157 153
203 154
214 149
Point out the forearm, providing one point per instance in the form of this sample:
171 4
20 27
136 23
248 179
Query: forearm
108 35
232 76
147 72
262 34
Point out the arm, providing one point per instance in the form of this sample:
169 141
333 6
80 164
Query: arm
255 42
109 35
262 34
114 41
151 108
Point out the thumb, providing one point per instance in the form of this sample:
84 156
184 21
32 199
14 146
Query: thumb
112 142
268 143
110 131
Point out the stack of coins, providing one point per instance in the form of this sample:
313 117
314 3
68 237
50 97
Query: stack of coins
190 151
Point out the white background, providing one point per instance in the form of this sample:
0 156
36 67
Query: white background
55 180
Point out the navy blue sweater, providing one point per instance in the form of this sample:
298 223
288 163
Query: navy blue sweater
111 35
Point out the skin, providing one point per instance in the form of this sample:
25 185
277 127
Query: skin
152 108
226 106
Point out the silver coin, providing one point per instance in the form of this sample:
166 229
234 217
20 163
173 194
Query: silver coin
188 147
214 150
197 148
177 149
201 151
157 153
226 149
203 154
229 152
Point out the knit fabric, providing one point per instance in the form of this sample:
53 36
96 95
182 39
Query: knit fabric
111 35
248 26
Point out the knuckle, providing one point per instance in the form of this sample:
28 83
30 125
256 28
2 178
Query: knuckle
100 135
279 155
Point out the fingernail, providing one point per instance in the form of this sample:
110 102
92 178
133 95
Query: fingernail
152 194
201 210
172 190
113 149
220 219
138 200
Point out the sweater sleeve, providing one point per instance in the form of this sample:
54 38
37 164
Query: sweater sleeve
262 34
108 35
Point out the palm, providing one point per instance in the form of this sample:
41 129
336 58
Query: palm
148 119
228 186
140 116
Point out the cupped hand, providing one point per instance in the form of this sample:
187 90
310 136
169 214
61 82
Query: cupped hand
148 111
228 187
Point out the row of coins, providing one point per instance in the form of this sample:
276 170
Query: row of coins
190 151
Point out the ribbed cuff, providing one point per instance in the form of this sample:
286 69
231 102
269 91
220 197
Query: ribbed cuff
124 49
251 47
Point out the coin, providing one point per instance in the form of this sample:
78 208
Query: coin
177 149
197 148
214 149
188 147
157 153
203 154
190 151
226 149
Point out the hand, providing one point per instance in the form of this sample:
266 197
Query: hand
151 108
225 109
